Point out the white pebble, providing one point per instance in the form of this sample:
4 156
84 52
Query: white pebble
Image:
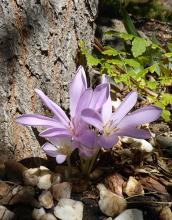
110 203
46 199
130 214
68 209
38 213
61 190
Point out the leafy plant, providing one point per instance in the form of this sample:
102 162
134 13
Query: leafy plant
140 64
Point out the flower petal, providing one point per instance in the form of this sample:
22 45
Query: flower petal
126 105
100 96
104 79
51 132
107 142
134 132
77 87
61 141
141 116
85 152
83 103
38 120
50 149
93 118
88 139
106 111
60 158
60 115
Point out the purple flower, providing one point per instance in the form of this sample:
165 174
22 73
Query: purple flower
65 134
120 123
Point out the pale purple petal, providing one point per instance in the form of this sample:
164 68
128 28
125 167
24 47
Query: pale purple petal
104 79
93 118
126 105
83 103
100 96
107 141
85 152
61 141
106 111
51 132
77 87
58 112
141 116
38 120
50 149
88 139
60 158
134 132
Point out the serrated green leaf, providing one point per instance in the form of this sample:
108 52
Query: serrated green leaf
126 36
166 99
168 54
153 68
152 84
169 45
115 62
110 52
138 46
131 62
92 61
166 115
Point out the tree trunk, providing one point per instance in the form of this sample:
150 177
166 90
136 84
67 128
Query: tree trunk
38 48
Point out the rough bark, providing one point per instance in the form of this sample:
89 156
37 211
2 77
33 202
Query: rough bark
38 47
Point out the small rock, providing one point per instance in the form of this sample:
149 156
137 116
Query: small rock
141 144
44 181
61 190
14 171
164 141
133 187
114 182
110 204
4 189
165 214
24 195
57 178
69 209
6 214
38 213
130 214
30 176
48 216
46 199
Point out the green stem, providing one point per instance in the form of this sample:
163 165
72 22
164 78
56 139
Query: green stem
93 161
68 173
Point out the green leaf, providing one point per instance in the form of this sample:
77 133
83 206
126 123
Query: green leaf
168 54
152 84
110 52
131 62
115 62
169 45
92 61
126 36
166 115
166 99
138 46
153 68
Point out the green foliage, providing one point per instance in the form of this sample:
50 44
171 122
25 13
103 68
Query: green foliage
141 64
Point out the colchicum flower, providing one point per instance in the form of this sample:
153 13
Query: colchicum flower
111 125
63 134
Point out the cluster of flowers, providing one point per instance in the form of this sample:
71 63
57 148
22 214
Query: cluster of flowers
89 108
